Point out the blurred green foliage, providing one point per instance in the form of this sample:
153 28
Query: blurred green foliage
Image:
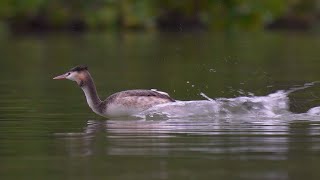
150 14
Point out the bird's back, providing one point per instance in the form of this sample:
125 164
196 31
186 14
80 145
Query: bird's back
133 101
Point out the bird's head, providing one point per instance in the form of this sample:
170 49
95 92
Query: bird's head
78 74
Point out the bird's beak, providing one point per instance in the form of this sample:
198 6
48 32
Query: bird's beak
63 76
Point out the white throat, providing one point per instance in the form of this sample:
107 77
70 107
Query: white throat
92 97
92 104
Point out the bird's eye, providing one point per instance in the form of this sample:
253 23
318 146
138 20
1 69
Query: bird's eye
68 73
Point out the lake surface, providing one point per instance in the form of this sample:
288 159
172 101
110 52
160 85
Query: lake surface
47 131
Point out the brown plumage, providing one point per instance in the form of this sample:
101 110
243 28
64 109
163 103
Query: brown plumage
139 93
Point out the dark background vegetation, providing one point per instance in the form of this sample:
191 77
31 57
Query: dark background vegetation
81 15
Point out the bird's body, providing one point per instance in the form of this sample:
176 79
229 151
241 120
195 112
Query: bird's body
130 102
124 103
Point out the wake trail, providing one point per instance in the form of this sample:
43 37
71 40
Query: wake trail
274 105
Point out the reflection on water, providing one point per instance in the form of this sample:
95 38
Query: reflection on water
259 149
268 139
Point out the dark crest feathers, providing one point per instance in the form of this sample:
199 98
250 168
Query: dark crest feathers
79 68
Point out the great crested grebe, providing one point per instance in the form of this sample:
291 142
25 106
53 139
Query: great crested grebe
124 103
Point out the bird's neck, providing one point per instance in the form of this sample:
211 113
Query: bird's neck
91 94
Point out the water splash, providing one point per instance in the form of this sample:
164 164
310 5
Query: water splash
267 106
274 105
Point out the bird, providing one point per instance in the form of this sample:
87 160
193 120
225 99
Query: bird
121 104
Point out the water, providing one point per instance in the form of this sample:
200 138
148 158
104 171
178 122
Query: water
272 106
239 116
